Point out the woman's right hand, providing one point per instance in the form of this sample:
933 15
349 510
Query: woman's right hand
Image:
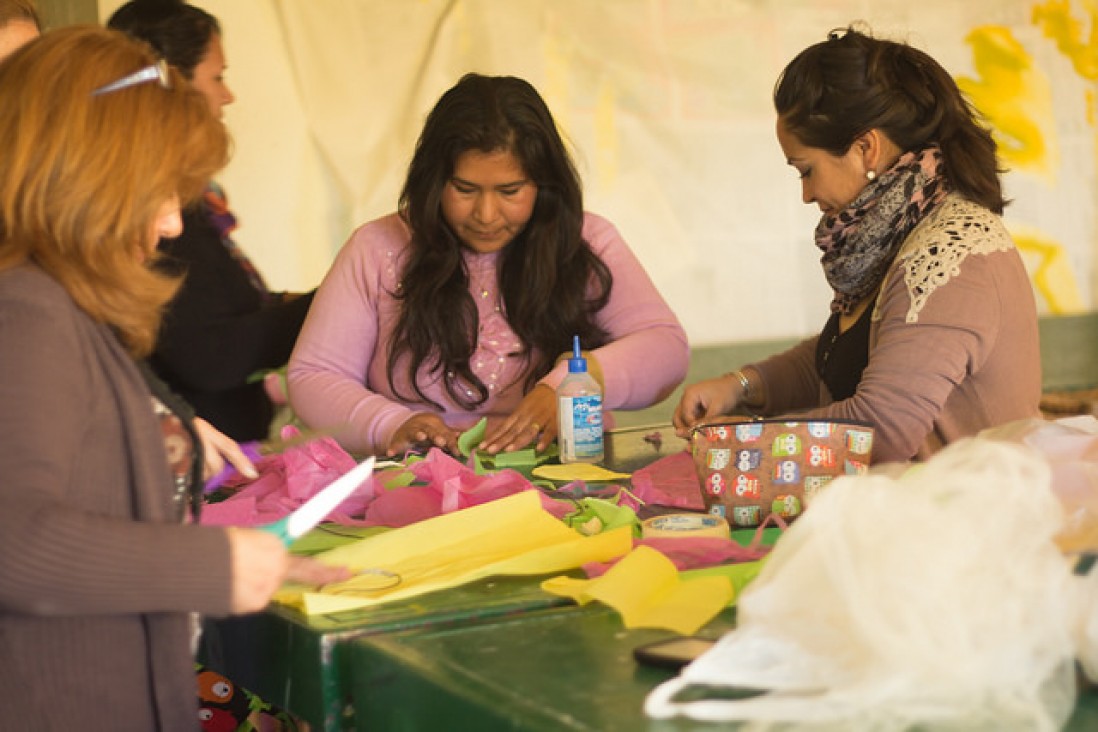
217 449
706 400
421 431
259 563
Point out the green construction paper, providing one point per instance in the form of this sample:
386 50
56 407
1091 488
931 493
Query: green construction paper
524 461
550 453
480 464
516 460
740 574
744 537
609 516
257 376
472 437
396 478
329 536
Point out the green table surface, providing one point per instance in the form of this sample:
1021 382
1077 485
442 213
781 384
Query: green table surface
299 662
553 670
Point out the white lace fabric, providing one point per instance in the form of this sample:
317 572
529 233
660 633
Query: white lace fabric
937 247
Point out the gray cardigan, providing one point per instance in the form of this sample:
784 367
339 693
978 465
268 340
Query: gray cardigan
96 575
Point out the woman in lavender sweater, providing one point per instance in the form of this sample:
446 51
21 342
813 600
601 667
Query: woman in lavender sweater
461 304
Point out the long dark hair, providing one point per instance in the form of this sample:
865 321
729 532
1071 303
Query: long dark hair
178 32
551 282
839 89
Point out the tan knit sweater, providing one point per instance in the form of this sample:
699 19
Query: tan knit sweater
953 344
96 572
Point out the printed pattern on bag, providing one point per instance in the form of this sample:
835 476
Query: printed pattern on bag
749 470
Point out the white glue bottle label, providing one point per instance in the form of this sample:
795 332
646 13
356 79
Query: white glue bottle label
579 412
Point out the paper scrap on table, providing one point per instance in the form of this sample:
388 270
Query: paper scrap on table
595 514
483 464
740 574
646 589
670 481
472 437
567 472
508 536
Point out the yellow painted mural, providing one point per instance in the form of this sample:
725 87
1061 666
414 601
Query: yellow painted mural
1051 271
1015 97
1080 46
1055 20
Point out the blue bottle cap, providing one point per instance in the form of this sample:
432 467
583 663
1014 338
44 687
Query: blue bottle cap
577 364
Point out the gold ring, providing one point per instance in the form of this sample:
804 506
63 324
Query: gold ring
536 426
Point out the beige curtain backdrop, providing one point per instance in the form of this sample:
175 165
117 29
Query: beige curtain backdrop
667 106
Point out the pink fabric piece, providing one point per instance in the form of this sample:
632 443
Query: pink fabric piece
677 481
289 479
402 507
450 486
240 512
286 480
690 553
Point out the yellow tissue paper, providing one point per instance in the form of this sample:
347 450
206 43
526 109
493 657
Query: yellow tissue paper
508 536
567 472
646 589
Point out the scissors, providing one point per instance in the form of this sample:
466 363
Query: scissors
327 499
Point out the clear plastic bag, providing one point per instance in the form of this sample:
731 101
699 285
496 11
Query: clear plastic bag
1070 445
935 598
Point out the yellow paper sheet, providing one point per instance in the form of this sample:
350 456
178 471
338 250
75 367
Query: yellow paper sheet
509 536
567 472
646 589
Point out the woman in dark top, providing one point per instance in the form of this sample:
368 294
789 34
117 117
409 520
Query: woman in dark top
225 324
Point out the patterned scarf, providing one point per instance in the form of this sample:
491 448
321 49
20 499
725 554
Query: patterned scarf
223 221
860 243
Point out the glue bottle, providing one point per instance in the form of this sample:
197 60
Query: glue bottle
579 412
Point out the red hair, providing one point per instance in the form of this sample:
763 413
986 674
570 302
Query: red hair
83 176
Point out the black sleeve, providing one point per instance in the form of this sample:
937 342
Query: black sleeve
219 329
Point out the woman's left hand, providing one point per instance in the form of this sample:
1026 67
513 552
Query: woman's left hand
535 418
219 448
